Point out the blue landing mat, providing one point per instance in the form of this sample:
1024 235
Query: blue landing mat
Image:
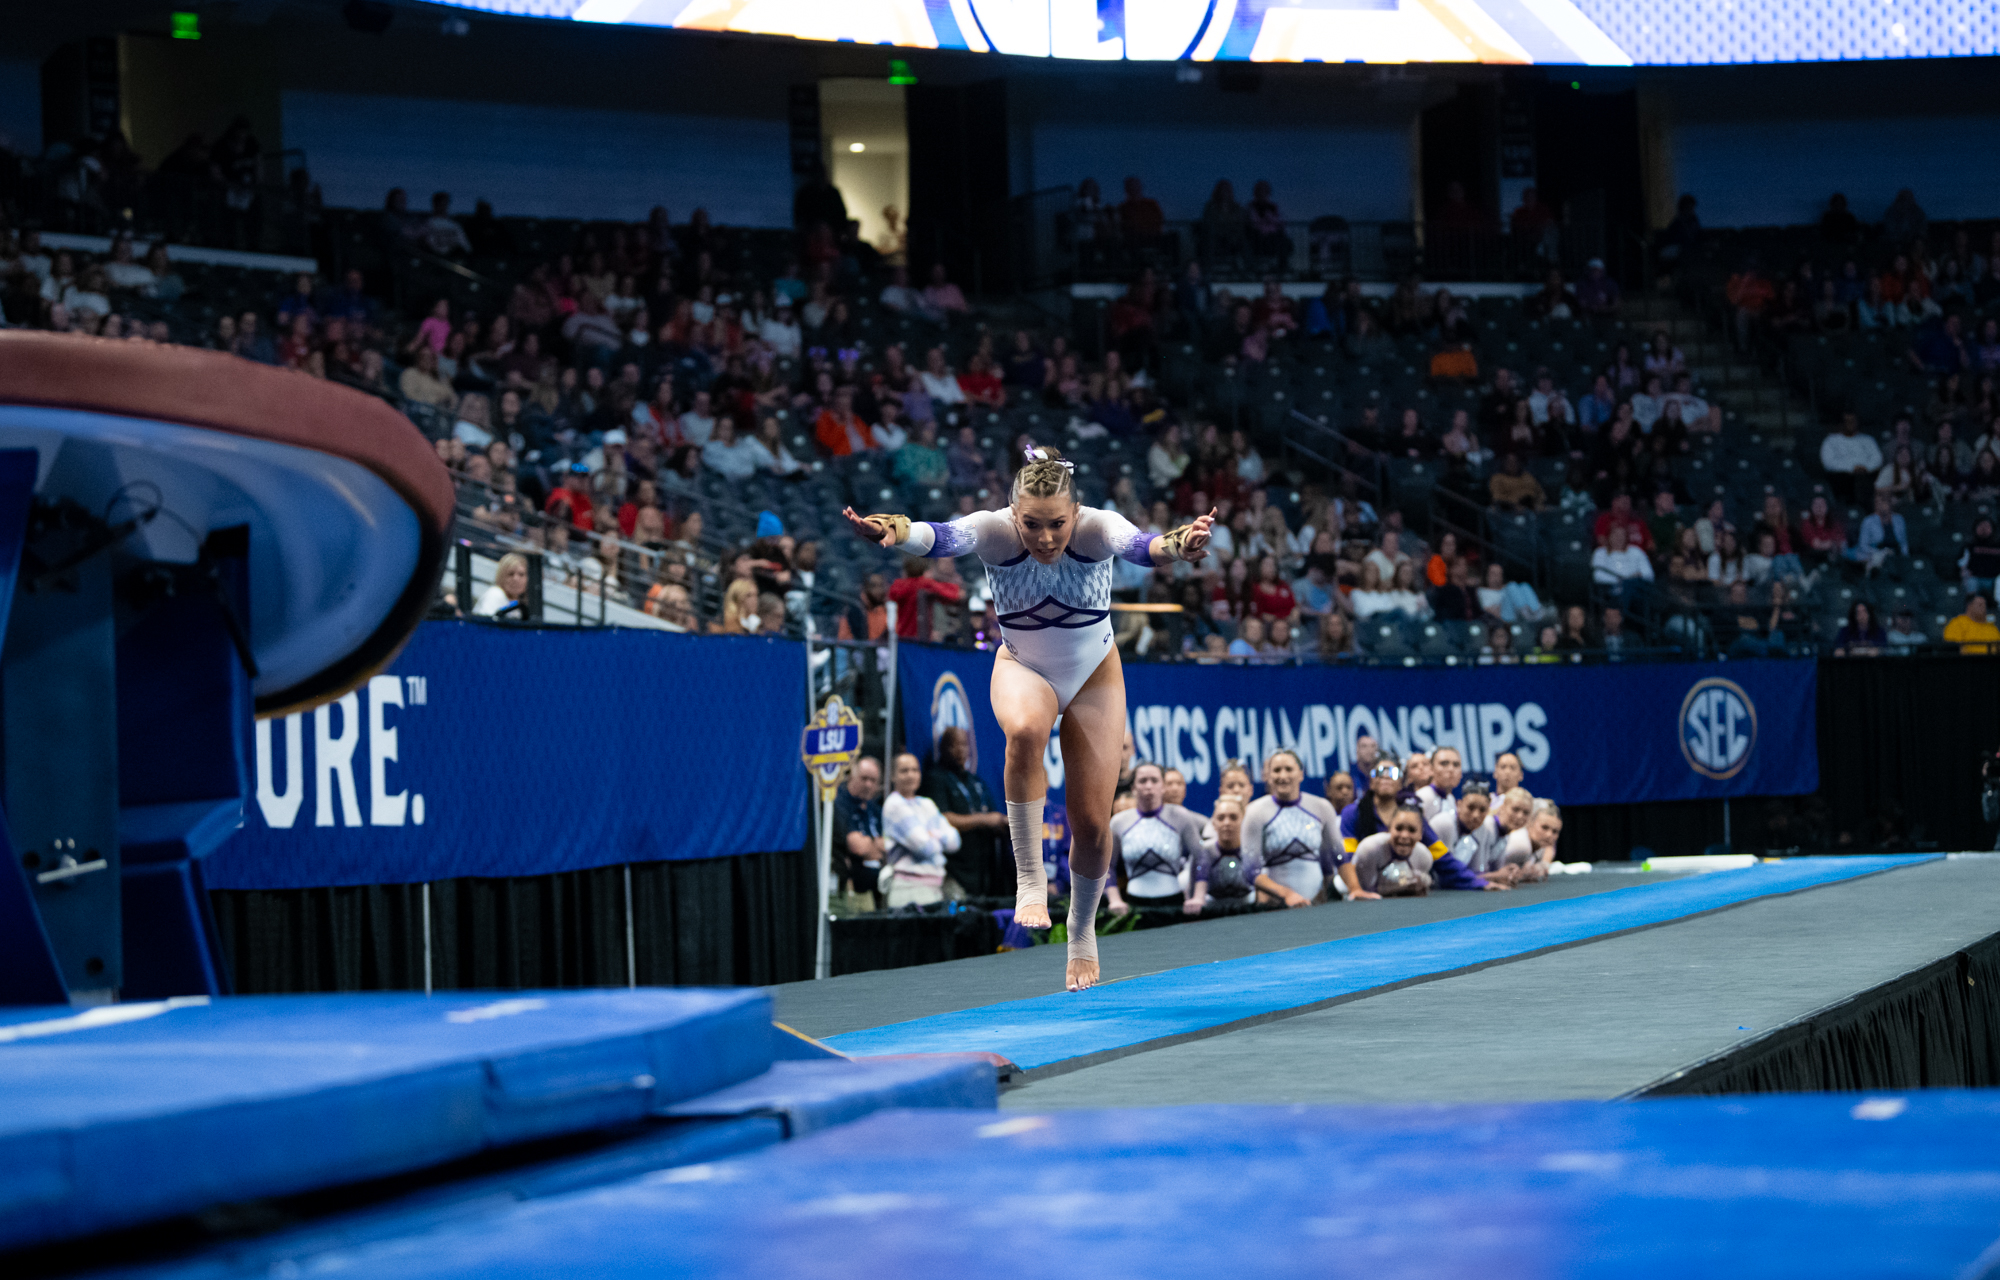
1771 1187
790 1099
811 1096
134 1112
1105 1021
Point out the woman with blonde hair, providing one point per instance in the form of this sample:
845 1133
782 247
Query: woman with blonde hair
1048 565
506 596
739 609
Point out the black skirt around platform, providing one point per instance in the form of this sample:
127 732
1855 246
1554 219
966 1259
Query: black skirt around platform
1154 912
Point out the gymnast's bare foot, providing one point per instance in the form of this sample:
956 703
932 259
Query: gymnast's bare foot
1082 973
1031 915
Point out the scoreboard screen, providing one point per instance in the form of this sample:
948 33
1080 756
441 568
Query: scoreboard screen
1557 32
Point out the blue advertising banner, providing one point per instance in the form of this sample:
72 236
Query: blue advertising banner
486 751
1611 734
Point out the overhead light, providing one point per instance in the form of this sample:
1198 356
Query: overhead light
857 147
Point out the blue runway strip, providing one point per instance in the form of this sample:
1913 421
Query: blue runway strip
1773 1187
1065 1027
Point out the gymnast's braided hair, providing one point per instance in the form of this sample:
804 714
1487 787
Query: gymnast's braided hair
1046 475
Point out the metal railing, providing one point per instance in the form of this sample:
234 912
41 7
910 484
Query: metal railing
1054 244
270 216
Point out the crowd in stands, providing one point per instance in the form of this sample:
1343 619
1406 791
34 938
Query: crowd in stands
1893 329
665 415
1388 828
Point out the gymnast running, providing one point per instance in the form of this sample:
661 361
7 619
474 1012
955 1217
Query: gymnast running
1049 562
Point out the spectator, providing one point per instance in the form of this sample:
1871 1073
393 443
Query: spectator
1336 638
1456 601
1883 534
1267 224
913 593
1903 633
857 828
1749 291
1249 641
768 448
1613 636
1619 565
840 431
942 298
1743 629
1167 460
1904 222
1514 488
900 296
1621 514
918 840
1387 556
421 383
1271 596
780 329
441 233
1575 637
1140 218
673 607
1534 227
967 804
1597 294
1979 564
966 462
1838 225
1758 564
920 463
1860 635
727 456
938 381
1500 645
1850 460
1821 535
1972 631
506 596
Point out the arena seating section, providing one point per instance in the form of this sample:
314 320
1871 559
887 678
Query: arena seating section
1297 409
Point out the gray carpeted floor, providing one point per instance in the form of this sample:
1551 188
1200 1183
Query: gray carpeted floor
1591 1021
876 999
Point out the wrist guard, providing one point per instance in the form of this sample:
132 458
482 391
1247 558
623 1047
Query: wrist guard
1173 541
897 525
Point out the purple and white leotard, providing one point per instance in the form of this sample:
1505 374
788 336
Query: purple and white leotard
1055 618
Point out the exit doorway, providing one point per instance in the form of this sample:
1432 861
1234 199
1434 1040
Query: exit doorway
865 139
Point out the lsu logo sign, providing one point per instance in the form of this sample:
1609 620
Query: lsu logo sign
1718 728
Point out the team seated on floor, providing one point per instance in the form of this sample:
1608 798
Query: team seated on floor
1418 825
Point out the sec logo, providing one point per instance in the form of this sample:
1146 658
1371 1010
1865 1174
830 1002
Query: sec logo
952 709
1718 728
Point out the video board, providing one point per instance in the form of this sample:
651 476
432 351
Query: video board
1582 32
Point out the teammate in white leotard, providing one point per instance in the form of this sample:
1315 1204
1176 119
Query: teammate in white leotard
1294 838
1158 841
1048 561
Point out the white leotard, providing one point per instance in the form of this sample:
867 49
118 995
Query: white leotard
1297 842
1055 618
1156 848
